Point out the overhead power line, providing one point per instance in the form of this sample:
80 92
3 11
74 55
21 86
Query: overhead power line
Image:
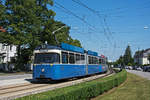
73 14
107 29
67 11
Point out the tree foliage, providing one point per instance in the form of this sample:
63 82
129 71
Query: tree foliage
126 59
29 23
128 56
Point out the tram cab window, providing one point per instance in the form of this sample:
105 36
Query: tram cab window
64 57
71 58
46 58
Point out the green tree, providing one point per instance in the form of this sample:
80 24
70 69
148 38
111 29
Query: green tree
121 61
29 23
128 56
22 25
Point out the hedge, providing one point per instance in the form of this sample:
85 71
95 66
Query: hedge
82 91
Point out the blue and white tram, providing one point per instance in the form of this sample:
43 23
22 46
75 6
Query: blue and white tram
66 61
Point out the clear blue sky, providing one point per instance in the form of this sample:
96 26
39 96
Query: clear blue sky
125 20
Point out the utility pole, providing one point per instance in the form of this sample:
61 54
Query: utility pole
56 31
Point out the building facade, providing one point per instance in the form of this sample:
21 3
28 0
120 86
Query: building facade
141 57
7 53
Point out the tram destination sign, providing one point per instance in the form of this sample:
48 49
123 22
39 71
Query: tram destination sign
43 50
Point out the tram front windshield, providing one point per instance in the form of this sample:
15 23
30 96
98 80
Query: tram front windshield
46 58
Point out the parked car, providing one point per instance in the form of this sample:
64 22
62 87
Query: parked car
146 68
139 69
130 67
126 67
135 67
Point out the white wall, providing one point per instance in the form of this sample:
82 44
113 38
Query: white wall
145 61
7 52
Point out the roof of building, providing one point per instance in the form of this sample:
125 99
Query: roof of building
147 50
143 53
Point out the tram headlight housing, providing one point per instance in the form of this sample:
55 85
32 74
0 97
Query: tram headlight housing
43 70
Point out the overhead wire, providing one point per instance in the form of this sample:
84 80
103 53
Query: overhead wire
62 8
105 26
97 14
73 14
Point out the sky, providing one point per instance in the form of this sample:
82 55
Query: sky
107 26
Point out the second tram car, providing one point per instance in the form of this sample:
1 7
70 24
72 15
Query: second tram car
66 61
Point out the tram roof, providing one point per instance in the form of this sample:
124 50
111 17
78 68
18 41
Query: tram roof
63 46
47 47
68 47
92 53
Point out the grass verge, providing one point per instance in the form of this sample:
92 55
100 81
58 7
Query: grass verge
135 88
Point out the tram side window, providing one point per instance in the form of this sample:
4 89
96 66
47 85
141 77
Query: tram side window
71 58
104 61
96 60
93 62
90 59
82 59
100 61
64 57
78 59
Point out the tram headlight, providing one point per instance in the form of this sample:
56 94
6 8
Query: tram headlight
43 69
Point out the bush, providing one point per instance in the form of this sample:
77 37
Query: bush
82 91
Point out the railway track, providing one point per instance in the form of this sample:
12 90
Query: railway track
20 90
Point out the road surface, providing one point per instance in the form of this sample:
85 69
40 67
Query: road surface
15 79
140 73
15 76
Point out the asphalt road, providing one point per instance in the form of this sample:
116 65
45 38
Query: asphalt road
15 77
140 73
